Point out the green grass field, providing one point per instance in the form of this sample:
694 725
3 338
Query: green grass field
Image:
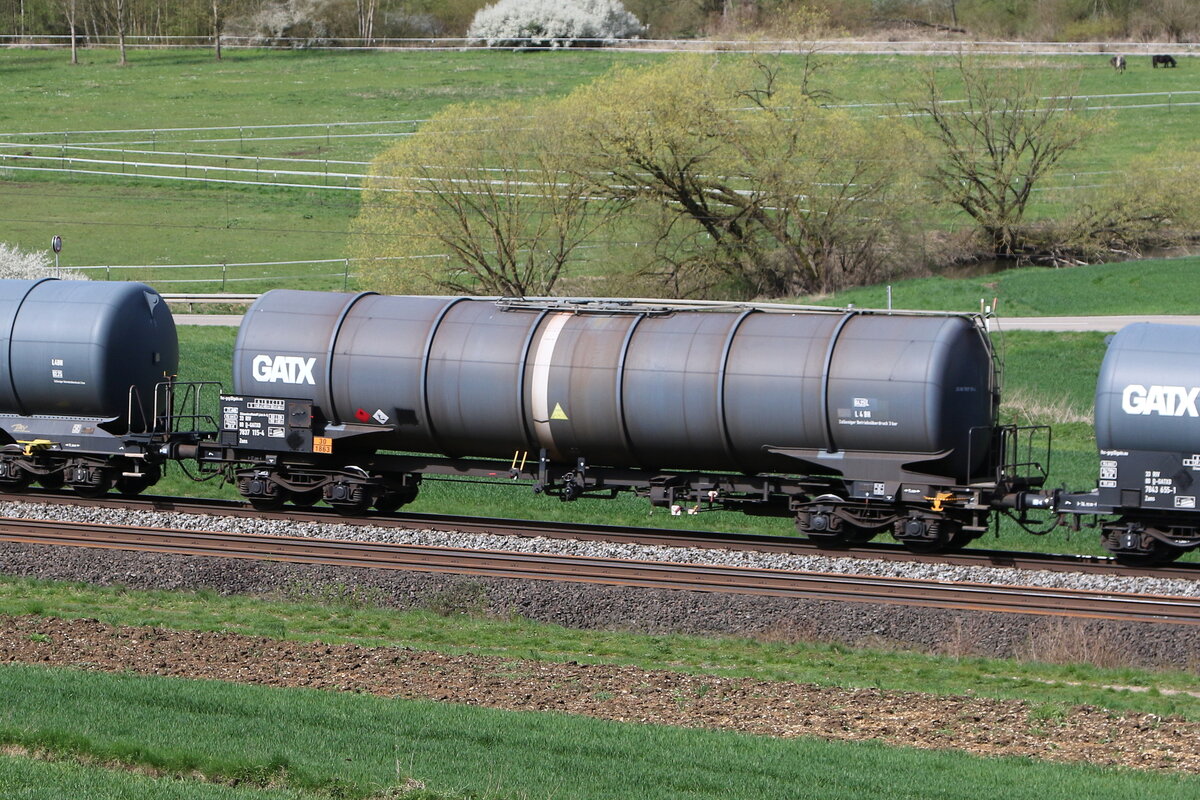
1148 286
348 746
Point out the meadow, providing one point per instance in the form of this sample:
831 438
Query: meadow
351 746
127 164
136 736
1144 286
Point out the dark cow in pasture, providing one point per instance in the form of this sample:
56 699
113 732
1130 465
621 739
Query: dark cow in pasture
1165 61
1118 63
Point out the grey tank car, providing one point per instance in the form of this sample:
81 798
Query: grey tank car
854 421
85 395
1148 434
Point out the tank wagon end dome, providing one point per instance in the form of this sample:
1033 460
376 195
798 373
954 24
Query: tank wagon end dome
1148 390
76 348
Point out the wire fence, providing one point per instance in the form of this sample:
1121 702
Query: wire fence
227 276
135 153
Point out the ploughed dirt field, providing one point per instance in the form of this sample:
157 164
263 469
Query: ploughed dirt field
624 694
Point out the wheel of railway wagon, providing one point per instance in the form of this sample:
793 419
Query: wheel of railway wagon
272 503
390 501
351 508
51 480
133 485
12 477
91 489
822 528
79 473
948 537
306 499
856 534
348 497
1158 553
261 492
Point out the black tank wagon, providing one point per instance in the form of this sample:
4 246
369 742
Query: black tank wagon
854 421
85 384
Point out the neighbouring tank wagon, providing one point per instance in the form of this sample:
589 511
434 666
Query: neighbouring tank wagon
1148 434
85 371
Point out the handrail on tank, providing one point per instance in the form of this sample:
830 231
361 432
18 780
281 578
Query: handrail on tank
140 423
135 402
184 406
1013 466
169 407
642 305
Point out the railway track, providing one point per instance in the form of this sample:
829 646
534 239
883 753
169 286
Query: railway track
609 571
635 535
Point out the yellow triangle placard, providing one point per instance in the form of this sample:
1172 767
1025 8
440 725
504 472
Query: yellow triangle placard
558 412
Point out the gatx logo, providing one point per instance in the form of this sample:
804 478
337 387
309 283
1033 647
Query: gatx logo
1166 401
282 369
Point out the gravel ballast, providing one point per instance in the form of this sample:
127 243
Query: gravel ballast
588 606
591 549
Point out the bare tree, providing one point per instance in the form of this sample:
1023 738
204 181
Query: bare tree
119 17
366 19
218 22
1178 17
994 145
71 10
480 200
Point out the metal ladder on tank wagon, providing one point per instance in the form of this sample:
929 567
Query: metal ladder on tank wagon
176 416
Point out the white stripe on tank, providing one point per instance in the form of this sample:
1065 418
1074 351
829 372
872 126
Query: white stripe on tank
539 389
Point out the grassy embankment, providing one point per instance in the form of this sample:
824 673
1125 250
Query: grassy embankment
125 220
338 745
348 745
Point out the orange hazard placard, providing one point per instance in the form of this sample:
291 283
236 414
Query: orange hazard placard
322 444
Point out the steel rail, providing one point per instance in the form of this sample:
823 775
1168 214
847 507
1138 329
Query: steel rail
633 535
1087 604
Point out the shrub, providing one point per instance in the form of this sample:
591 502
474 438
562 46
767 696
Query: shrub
552 23
300 23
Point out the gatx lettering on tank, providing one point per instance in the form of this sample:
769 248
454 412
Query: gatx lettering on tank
1166 401
282 369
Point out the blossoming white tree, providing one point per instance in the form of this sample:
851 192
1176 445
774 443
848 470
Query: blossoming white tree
27 265
553 23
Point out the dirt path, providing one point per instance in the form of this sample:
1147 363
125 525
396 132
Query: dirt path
624 694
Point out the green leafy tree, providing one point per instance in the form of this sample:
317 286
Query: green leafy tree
755 189
1154 203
